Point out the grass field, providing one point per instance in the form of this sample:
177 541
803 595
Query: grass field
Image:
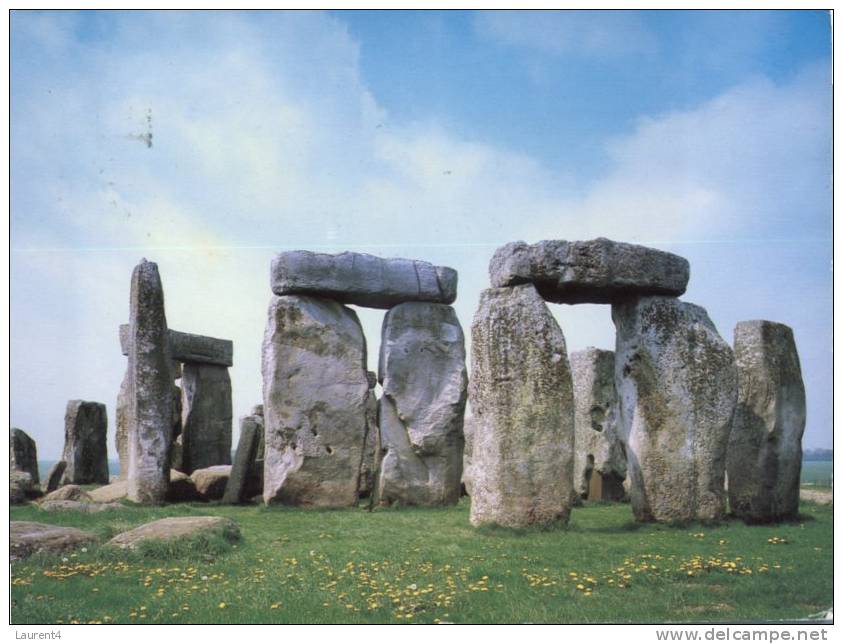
428 565
817 473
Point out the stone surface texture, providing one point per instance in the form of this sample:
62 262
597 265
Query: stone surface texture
110 493
468 428
206 417
764 460
677 387
190 347
54 476
361 279
598 271
28 537
521 397
87 507
177 528
21 487
23 454
121 421
244 460
599 448
151 388
210 482
315 390
85 436
69 492
370 464
423 374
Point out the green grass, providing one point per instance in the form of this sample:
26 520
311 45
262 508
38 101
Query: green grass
817 474
423 565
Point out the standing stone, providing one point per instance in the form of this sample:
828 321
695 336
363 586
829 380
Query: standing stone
315 390
598 270
244 458
522 399
422 370
150 388
366 486
85 434
765 447
54 476
121 435
468 427
23 455
677 386
599 459
206 416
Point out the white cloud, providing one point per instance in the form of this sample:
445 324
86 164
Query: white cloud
265 138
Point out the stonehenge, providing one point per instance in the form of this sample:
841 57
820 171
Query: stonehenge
659 420
85 454
765 446
522 399
600 457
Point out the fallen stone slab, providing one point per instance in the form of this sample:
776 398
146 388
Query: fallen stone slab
361 279
600 458
85 451
28 537
110 493
54 476
21 487
764 460
210 482
150 407
424 377
67 493
521 396
599 271
87 507
177 528
315 391
23 454
191 347
677 386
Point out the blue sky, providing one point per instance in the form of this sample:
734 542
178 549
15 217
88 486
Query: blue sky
430 135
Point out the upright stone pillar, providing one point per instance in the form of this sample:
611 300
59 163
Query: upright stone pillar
764 460
23 455
677 385
121 422
244 459
521 396
206 416
366 486
315 390
422 370
600 460
150 387
85 435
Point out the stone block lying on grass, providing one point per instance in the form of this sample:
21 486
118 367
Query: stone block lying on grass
68 493
28 537
210 482
174 528
87 507
110 493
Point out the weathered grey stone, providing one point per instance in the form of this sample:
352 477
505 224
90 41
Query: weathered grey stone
151 388
121 434
257 410
315 390
366 485
422 370
87 507
190 347
182 488
468 428
211 481
677 386
69 492
764 460
85 435
361 279
599 458
54 476
177 528
244 458
206 416
28 537
21 487
598 270
23 454
110 493
522 401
